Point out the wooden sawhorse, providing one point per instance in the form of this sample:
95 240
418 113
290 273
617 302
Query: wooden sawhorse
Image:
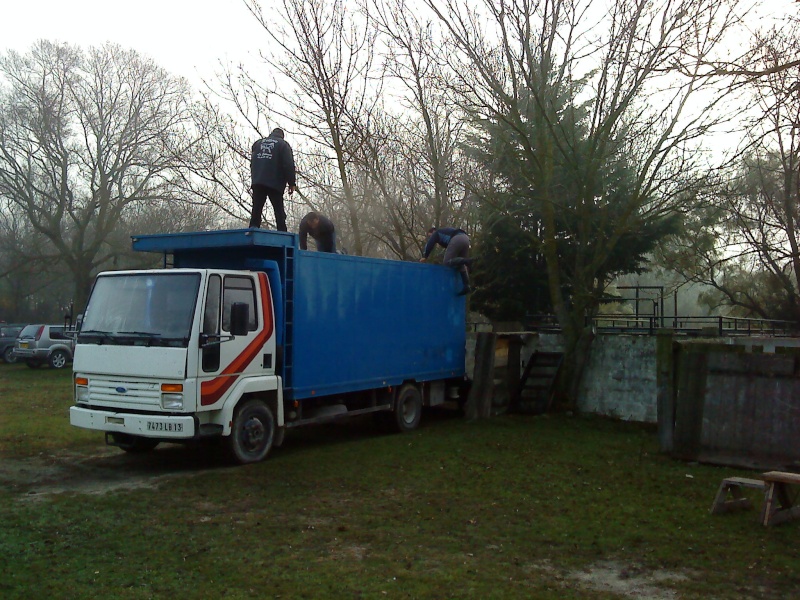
734 485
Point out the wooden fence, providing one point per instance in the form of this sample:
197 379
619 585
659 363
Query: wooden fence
727 404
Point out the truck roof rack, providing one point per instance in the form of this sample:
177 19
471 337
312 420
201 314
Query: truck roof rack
230 238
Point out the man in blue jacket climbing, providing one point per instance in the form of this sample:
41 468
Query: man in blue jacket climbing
456 254
271 169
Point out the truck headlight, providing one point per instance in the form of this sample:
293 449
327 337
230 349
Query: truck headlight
172 401
82 389
81 393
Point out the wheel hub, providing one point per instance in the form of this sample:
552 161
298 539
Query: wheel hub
409 411
253 433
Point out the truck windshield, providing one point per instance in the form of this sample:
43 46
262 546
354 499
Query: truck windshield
141 310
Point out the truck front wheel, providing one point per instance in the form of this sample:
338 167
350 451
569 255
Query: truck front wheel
253 432
408 408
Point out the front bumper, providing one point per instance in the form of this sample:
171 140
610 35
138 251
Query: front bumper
152 426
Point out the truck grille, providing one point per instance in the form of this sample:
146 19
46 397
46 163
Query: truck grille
127 393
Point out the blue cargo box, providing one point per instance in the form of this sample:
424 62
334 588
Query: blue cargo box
346 323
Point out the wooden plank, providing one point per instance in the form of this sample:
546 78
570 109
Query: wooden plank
692 375
727 506
479 401
781 476
665 389
745 482
514 369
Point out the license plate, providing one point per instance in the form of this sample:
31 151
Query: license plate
23 344
159 426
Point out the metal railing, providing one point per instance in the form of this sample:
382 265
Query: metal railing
687 325
712 325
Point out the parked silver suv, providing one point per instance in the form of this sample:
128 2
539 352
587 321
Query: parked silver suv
8 337
37 344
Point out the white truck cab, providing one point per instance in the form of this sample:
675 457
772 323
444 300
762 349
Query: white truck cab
160 356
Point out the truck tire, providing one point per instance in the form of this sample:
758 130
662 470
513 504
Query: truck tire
133 443
407 408
252 433
8 355
58 359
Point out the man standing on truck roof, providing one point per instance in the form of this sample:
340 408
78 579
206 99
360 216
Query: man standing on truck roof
271 170
321 229
456 254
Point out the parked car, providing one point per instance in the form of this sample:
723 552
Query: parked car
37 344
8 336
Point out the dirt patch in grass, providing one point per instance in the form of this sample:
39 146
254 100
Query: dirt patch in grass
106 470
627 581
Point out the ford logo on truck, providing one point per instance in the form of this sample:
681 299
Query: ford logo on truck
122 390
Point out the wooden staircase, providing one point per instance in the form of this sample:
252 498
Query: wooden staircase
534 395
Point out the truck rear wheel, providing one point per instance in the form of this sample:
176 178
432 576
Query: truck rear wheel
58 359
253 432
407 408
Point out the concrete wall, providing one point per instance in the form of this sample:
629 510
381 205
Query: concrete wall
620 379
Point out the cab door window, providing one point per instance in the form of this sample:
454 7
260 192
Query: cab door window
239 289
211 323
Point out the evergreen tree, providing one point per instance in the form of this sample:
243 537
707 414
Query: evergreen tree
589 197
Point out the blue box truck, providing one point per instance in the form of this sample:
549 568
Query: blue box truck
242 335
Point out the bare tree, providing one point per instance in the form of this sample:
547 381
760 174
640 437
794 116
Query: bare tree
215 165
747 246
743 62
31 286
84 137
414 156
326 56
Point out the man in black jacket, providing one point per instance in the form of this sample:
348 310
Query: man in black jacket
271 169
321 229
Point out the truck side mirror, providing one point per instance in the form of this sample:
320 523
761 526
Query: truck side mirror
240 317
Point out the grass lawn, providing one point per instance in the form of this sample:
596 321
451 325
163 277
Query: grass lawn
512 507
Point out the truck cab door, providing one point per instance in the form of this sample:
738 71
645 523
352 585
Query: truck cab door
224 357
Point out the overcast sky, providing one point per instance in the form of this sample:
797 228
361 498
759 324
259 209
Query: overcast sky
186 37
